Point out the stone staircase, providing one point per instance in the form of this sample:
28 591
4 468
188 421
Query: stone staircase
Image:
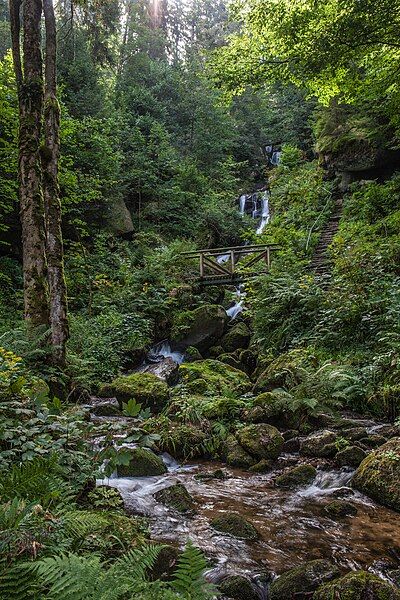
321 263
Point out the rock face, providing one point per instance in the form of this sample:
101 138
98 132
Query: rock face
378 475
358 585
119 219
301 581
236 456
351 456
177 497
145 388
142 463
235 525
166 370
237 337
238 588
298 476
320 444
213 376
261 440
200 328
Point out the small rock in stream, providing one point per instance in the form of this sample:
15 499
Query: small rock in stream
298 476
340 508
239 588
301 581
351 456
358 585
177 497
235 525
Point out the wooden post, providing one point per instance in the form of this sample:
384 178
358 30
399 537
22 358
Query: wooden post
201 265
268 258
232 253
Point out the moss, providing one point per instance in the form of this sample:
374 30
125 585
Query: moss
218 376
183 441
176 497
236 456
200 328
378 475
145 388
358 585
229 359
237 337
351 456
320 444
298 476
217 474
142 463
192 354
274 409
263 466
303 580
221 408
284 371
261 440
238 588
235 525
340 508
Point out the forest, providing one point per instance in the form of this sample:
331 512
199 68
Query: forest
199 300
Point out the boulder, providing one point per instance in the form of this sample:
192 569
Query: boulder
297 476
378 475
340 508
237 337
118 218
142 463
166 370
200 328
177 497
261 440
213 376
103 407
238 588
249 360
145 388
373 441
192 354
291 446
273 408
229 359
236 456
235 525
263 466
358 585
183 441
320 444
351 456
301 581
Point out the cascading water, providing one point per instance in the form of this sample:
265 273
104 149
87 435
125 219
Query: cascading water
265 214
276 158
238 307
242 201
163 350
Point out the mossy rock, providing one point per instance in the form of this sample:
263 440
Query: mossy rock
200 328
215 351
115 535
378 475
352 456
340 508
183 441
297 476
272 408
283 371
235 525
217 474
177 497
237 337
238 588
221 407
373 441
303 580
236 456
218 377
229 359
192 354
145 388
261 440
263 466
358 585
142 463
320 444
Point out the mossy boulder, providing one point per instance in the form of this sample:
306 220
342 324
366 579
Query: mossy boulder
340 508
358 585
103 407
261 440
373 441
378 475
273 408
301 581
209 476
142 463
235 525
351 456
229 359
145 388
285 370
237 337
177 497
192 354
183 441
200 328
236 456
320 444
263 466
221 407
216 377
238 588
296 477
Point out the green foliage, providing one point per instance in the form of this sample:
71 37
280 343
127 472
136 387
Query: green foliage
189 575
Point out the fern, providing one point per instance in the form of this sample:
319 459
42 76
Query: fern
189 576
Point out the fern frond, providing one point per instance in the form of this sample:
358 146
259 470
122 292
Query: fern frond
137 562
189 576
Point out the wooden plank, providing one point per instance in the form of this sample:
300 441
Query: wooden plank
215 266
254 260
217 251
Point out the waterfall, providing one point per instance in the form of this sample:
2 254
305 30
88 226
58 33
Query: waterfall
276 158
163 350
255 206
242 201
265 214
223 258
238 307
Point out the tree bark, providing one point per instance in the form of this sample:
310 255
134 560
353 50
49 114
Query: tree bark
29 78
50 157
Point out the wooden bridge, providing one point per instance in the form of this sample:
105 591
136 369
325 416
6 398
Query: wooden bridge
227 272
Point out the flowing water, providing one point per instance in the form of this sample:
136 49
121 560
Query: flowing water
163 350
293 525
265 214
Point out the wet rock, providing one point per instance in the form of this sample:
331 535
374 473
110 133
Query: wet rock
298 476
289 434
395 577
235 525
200 328
378 475
303 580
216 377
292 445
389 431
166 370
340 508
351 456
184 441
358 585
177 497
145 388
237 337
354 433
261 440
238 588
192 354
373 441
320 444
249 359
103 407
217 474
229 359
236 456
165 564
263 466
142 463
215 351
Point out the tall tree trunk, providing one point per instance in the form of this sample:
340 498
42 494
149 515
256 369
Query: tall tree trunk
50 157
29 78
